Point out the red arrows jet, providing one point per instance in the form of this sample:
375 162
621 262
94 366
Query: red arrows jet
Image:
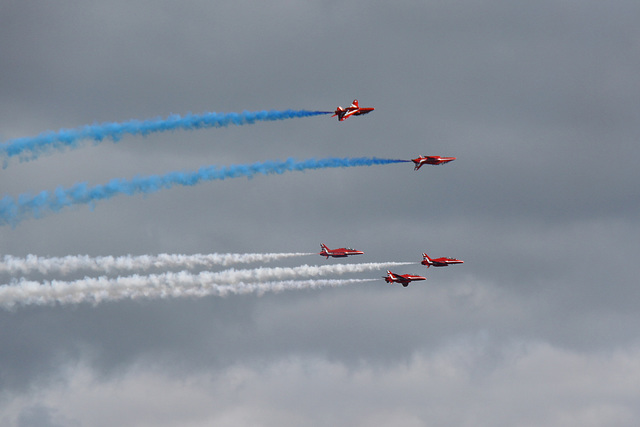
352 110
338 253
431 160
439 262
403 279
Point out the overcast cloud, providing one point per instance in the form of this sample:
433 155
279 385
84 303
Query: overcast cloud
538 102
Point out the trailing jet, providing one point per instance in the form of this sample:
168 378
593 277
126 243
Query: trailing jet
431 160
439 262
352 110
403 279
338 253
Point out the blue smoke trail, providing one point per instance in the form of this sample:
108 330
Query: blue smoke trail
30 148
12 211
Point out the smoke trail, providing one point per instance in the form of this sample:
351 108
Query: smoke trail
33 293
109 264
96 290
30 148
12 211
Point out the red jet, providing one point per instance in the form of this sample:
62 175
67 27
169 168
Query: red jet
338 253
403 279
352 110
431 160
439 262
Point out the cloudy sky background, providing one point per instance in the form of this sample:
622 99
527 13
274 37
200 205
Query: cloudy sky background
539 103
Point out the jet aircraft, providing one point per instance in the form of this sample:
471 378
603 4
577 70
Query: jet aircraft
403 279
352 110
430 160
439 262
338 253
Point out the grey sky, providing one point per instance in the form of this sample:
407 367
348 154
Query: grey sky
539 103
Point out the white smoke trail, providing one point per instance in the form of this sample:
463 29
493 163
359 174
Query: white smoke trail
109 264
96 290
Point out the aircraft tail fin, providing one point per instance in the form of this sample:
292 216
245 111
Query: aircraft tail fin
426 258
325 250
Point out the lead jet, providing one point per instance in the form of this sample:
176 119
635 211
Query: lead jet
352 110
403 279
439 262
430 160
338 253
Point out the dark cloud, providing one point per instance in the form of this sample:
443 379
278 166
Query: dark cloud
37 416
539 104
